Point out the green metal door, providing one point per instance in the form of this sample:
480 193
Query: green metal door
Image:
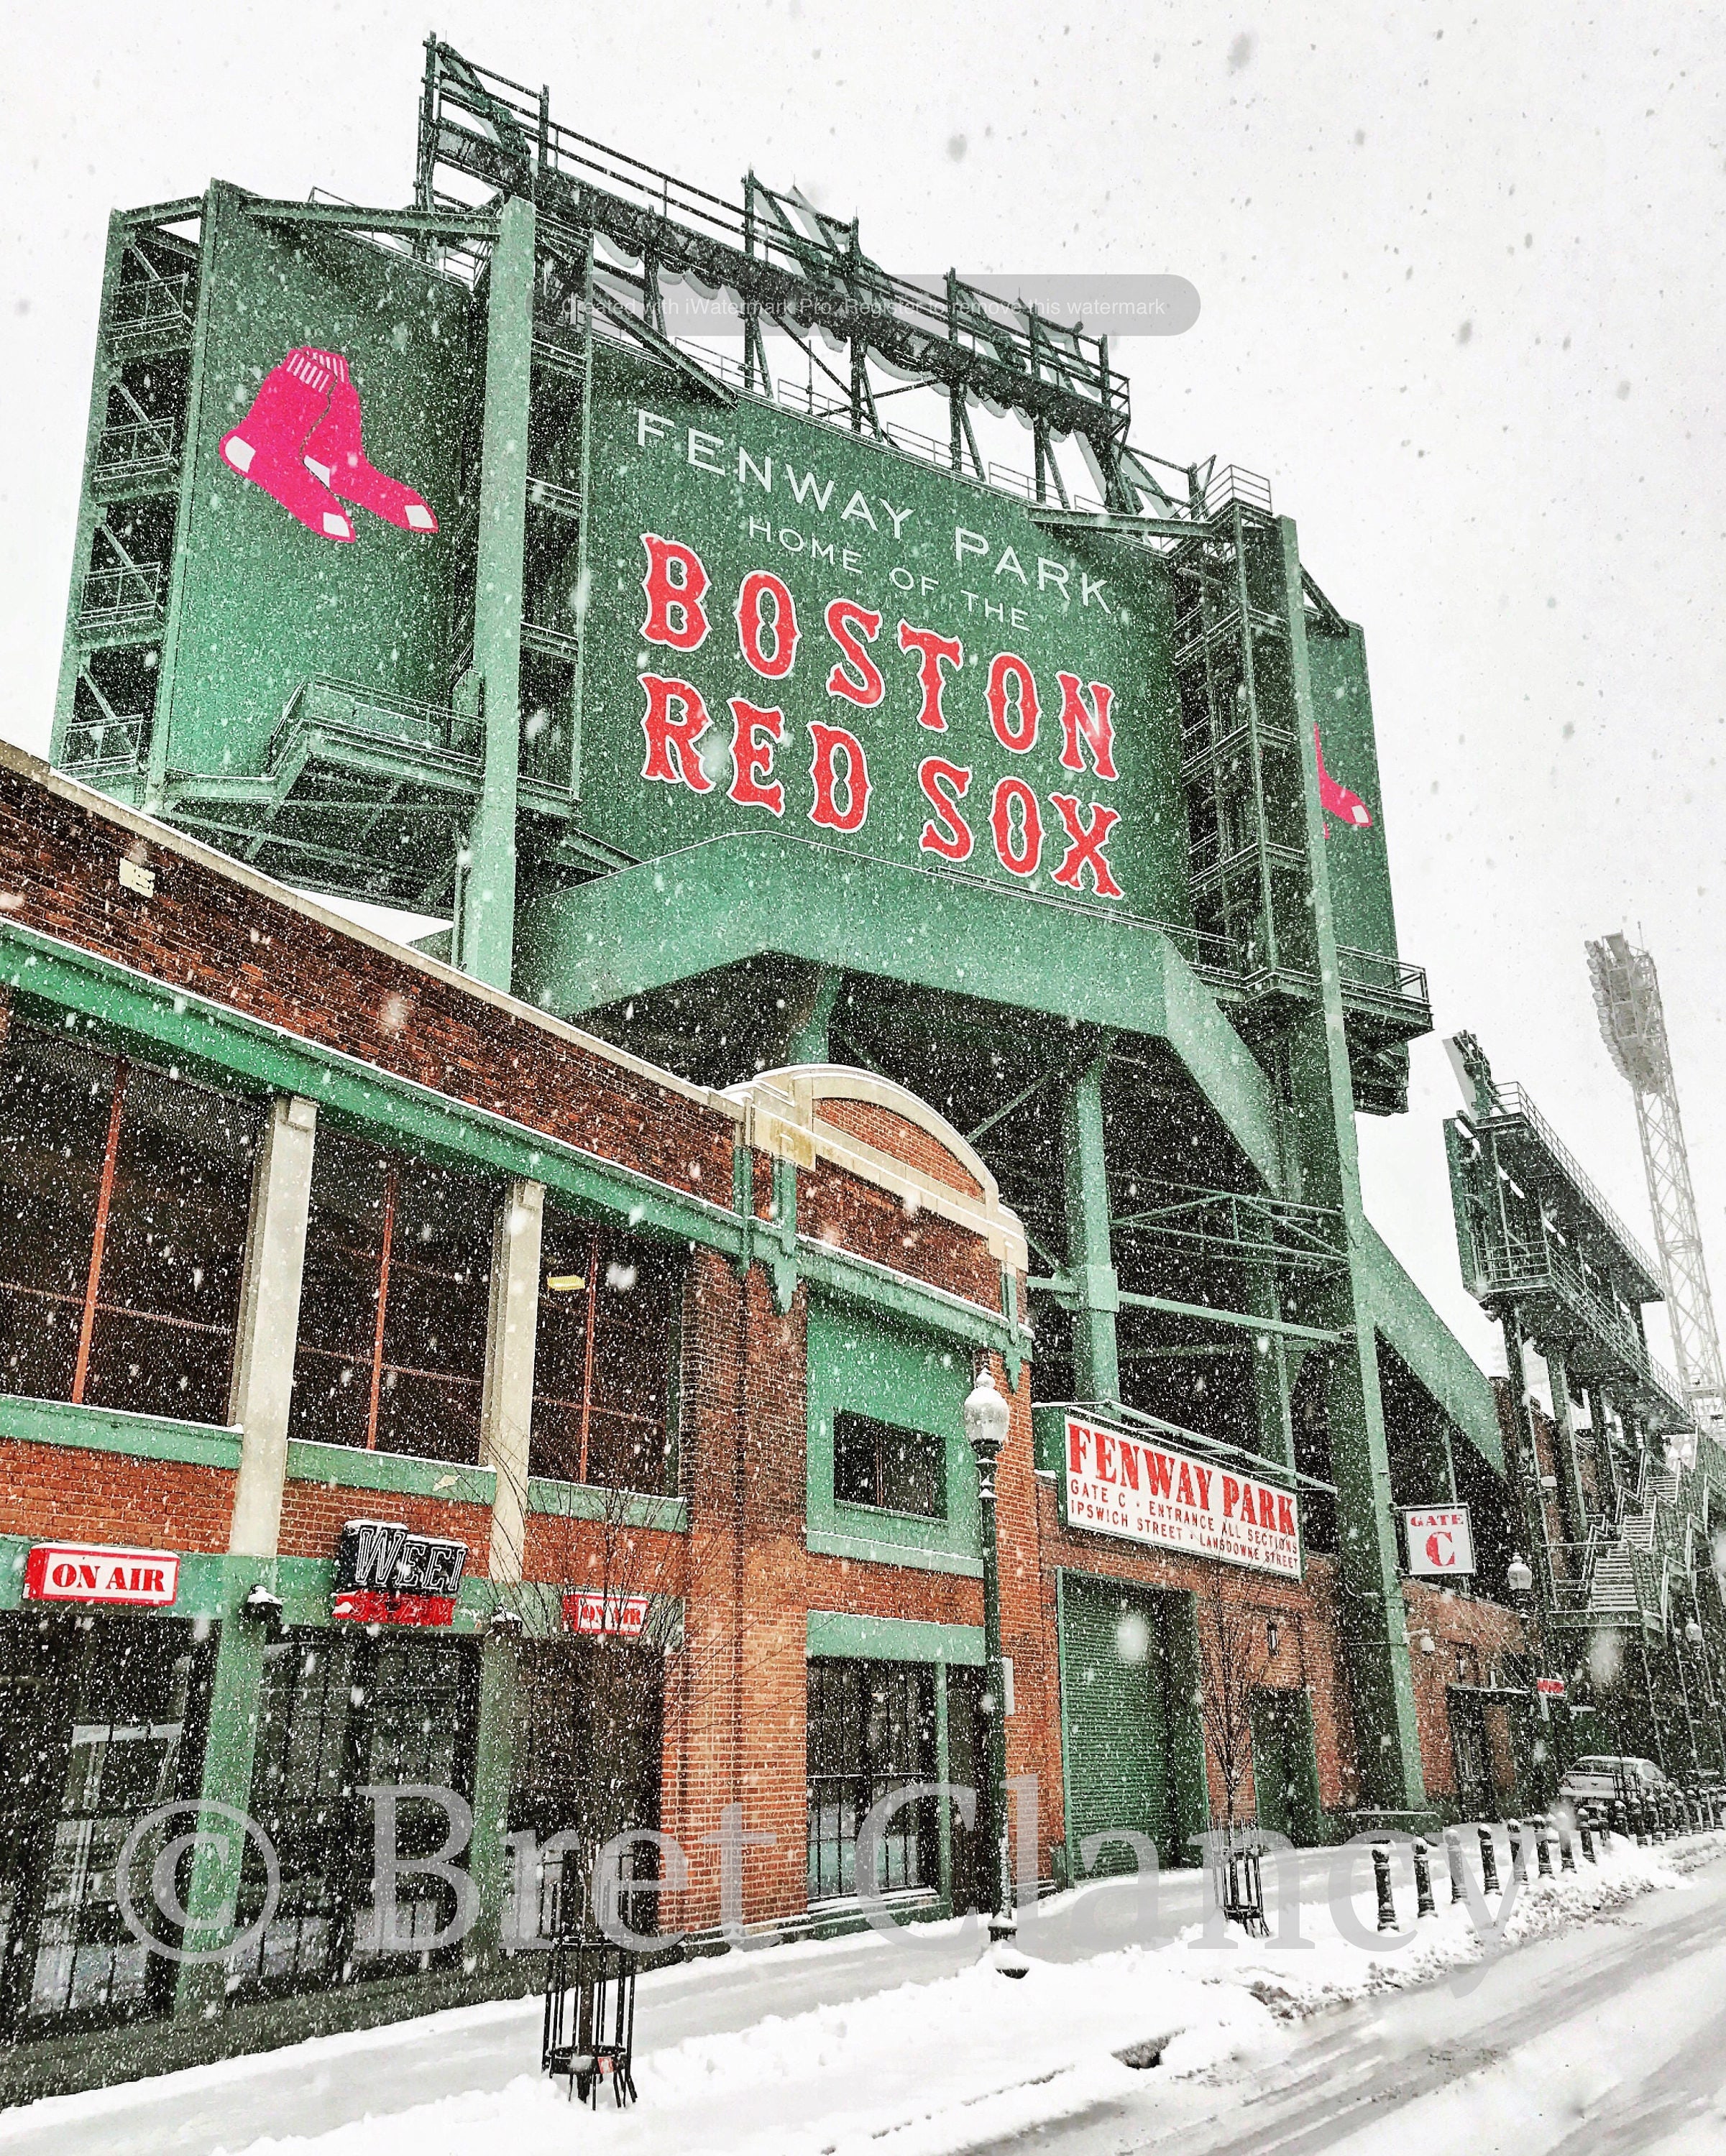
1113 1728
1285 1773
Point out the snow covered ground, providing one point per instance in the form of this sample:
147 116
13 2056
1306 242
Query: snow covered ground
952 2059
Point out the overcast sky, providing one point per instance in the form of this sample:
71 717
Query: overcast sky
1461 276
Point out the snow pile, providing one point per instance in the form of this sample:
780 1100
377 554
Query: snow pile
967 2061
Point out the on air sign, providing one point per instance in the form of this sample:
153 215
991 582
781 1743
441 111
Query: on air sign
622 1615
1146 1492
1440 1543
84 1571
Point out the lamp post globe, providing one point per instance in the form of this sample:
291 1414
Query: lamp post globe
1519 1577
987 1418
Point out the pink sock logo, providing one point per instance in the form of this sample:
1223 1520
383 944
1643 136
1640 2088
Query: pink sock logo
301 442
1346 807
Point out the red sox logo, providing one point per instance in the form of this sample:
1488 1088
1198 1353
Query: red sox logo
300 442
1347 807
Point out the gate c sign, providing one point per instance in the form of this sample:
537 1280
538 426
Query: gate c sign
1439 1541
81 1572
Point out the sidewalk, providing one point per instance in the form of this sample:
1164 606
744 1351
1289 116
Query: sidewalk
853 2036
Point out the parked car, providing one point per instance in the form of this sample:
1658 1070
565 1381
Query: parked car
1599 1778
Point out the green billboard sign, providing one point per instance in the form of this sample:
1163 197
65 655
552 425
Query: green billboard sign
789 626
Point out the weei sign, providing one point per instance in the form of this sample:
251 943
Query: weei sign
1145 1491
789 627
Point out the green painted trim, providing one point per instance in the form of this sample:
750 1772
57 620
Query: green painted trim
860 1549
112 1430
349 1467
853 1638
896 1297
213 1585
133 1008
267 1058
582 1500
1432 1351
732 898
858 1363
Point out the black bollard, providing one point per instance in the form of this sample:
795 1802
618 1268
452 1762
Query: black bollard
1585 1827
1567 1854
1618 1814
1543 1845
1453 1860
1518 1862
1639 1820
1424 1904
1489 1861
1381 1880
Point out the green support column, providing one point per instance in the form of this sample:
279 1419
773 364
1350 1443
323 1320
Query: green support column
90 509
485 911
1569 1468
1522 1462
494 1761
214 1884
1273 1383
944 1811
1325 1151
1090 1255
806 1041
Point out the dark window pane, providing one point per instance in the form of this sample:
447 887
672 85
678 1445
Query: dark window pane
606 1418
54 1102
871 1731
437 1227
897 1470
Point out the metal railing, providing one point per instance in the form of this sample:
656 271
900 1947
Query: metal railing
377 714
110 597
1518 1265
118 742
1513 1103
146 306
136 448
1370 973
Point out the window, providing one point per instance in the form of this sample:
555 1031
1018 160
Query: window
96 1713
392 1313
607 1365
871 1731
898 1470
339 1712
124 1195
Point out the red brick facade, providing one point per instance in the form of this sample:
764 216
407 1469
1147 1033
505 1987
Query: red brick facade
735 1728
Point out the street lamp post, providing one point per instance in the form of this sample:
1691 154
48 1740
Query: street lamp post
987 1417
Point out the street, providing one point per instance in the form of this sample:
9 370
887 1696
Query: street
1606 2040
1602 2034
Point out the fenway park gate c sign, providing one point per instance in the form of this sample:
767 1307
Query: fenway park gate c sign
1145 1491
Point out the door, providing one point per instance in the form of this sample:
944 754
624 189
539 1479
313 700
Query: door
1285 1767
1475 1795
1114 1723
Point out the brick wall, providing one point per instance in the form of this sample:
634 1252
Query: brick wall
315 1513
54 1492
899 1139
208 932
1484 1632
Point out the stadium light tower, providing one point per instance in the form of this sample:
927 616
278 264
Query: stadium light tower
1626 993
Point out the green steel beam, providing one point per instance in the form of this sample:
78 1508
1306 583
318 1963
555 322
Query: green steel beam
1321 1126
1432 1351
486 918
736 897
1090 1268
349 217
